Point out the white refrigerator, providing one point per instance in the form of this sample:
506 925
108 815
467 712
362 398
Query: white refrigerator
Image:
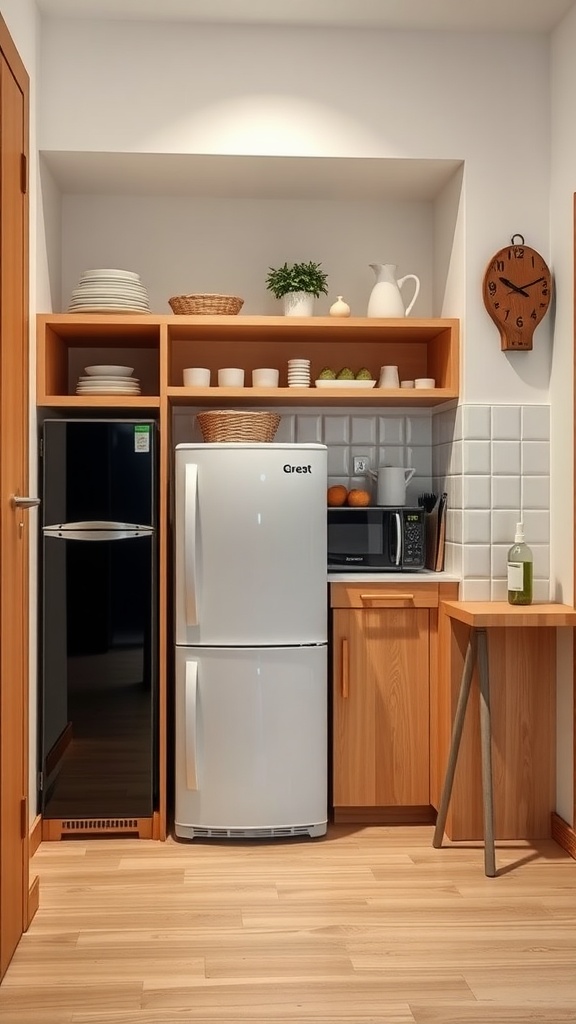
251 640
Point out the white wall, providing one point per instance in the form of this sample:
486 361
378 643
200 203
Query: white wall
183 89
563 187
180 89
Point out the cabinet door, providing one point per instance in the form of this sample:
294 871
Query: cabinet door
380 707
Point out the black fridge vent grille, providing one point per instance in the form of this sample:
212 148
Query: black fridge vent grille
100 825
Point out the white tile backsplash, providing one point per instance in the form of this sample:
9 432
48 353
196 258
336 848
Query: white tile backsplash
391 430
336 430
476 528
363 430
506 492
506 422
476 422
535 423
476 457
506 458
536 457
476 491
536 492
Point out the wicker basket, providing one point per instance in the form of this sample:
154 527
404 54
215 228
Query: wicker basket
207 303
232 425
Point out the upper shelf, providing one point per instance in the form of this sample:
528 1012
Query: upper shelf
160 347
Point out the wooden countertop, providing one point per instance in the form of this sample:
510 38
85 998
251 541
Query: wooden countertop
500 613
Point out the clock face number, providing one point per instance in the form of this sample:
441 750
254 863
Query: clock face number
517 294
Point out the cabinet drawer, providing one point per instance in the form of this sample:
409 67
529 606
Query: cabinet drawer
384 595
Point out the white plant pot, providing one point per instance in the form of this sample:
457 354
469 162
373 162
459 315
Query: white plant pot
298 304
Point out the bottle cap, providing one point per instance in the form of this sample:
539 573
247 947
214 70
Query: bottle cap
519 535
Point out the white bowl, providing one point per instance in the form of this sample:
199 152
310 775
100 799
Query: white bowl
109 371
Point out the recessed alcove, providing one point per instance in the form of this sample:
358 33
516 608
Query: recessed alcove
205 222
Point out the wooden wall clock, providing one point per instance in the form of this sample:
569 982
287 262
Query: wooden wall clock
517 290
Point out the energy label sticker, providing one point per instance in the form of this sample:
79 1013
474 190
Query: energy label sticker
142 438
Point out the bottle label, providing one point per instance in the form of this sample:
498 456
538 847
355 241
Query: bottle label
515 575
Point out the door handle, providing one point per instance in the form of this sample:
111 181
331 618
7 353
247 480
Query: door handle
23 502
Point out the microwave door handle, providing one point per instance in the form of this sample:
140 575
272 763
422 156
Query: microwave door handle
398 538
190 586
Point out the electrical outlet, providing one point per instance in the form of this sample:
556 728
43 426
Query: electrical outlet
361 463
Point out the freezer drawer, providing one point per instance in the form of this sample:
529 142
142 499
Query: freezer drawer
251 742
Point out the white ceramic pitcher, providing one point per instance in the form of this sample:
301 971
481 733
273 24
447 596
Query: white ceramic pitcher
391 484
386 297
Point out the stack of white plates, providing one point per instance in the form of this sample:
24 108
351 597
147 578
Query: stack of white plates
109 291
298 373
108 380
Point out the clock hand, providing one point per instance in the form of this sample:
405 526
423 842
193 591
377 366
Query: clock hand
514 287
530 283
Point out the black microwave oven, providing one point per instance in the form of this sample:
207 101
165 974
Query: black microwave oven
376 539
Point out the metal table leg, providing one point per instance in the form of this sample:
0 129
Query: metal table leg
477 649
456 737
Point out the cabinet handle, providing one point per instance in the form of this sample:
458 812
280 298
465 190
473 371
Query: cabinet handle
345 670
387 597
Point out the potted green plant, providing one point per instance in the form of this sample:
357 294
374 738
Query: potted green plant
298 284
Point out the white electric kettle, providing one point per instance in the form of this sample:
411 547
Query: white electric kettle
391 484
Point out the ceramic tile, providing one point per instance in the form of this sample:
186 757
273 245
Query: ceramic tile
392 455
476 457
336 429
308 429
476 560
476 526
455 460
457 417
338 460
499 560
363 430
541 559
536 457
454 525
541 590
499 590
475 590
506 422
506 458
537 526
506 492
287 432
441 459
420 460
476 422
454 491
453 558
504 525
418 430
476 492
536 492
391 430
535 423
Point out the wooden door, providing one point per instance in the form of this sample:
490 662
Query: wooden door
381 707
13 481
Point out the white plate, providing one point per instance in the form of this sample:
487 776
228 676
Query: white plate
107 272
109 371
108 391
97 379
106 309
345 383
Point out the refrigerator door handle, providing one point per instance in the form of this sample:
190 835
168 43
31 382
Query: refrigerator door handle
65 532
101 524
190 500
190 701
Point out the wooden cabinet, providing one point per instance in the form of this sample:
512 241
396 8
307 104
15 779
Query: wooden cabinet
159 347
383 660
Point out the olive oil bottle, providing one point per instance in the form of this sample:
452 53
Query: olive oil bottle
520 570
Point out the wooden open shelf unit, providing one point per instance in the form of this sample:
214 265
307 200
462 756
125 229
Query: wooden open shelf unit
159 347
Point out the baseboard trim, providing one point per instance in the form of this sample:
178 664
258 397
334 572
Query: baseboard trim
563 834
410 815
35 835
33 901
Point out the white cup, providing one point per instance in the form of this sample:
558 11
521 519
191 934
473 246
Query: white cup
196 377
389 377
406 383
230 377
265 377
425 382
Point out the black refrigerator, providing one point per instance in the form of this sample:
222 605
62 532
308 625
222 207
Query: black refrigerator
98 658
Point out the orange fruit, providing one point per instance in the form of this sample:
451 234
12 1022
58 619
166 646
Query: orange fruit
337 495
358 498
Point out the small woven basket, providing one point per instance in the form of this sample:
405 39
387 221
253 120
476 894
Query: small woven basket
206 303
232 425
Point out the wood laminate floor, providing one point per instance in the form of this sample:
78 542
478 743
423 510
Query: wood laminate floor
369 925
